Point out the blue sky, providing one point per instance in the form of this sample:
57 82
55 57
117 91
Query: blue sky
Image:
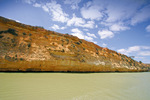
120 25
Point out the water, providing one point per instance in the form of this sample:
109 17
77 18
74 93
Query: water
73 86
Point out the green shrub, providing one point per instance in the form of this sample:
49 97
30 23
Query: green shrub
1 32
29 45
67 41
10 58
77 43
13 40
30 34
1 36
63 50
12 31
73 45
140 62
24 33
80 41
21 59
45 36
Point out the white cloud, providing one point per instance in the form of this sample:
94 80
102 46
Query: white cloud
85 29
141 15
56 11
88 38
94 42
121 10
45 8
118 27
105 34
130 50
148 28
112 12
138 50
124 11
76 21
76 30
89 24
63 28
78 33
56 27
74 3
17 21
29 1
144 53
145 47
37 5
116 15
123 51
133 49
96 26
139 57
90 11
104 45
91 35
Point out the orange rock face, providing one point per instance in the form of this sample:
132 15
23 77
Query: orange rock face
29 48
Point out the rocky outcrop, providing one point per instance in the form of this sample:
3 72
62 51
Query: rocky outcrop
29 48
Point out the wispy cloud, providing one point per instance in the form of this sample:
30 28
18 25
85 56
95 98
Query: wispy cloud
140 53
57 12
116 15
45 8
144 53
88 38
141 16
29 1
37 5
90 11
104 45
148 28
138 50
78 33
17 20
81 35
74 3
105 34
54 9
76 21
91 35
56 27
118 27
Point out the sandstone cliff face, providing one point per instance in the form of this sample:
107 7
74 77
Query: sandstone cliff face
28 48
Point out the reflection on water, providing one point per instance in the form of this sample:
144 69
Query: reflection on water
74 86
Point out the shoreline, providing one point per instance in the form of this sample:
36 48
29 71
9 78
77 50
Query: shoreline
86 72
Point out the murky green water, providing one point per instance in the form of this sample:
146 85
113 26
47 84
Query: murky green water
71 86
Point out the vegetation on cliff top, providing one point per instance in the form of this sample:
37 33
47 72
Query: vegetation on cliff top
31 48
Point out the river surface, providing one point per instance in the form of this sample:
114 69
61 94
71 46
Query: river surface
75 86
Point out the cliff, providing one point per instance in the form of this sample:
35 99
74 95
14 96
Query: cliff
32 48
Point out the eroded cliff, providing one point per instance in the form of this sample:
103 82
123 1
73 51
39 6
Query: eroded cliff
28 48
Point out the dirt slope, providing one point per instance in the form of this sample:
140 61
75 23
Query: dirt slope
31 48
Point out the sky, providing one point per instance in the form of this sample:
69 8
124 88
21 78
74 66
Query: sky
120 25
